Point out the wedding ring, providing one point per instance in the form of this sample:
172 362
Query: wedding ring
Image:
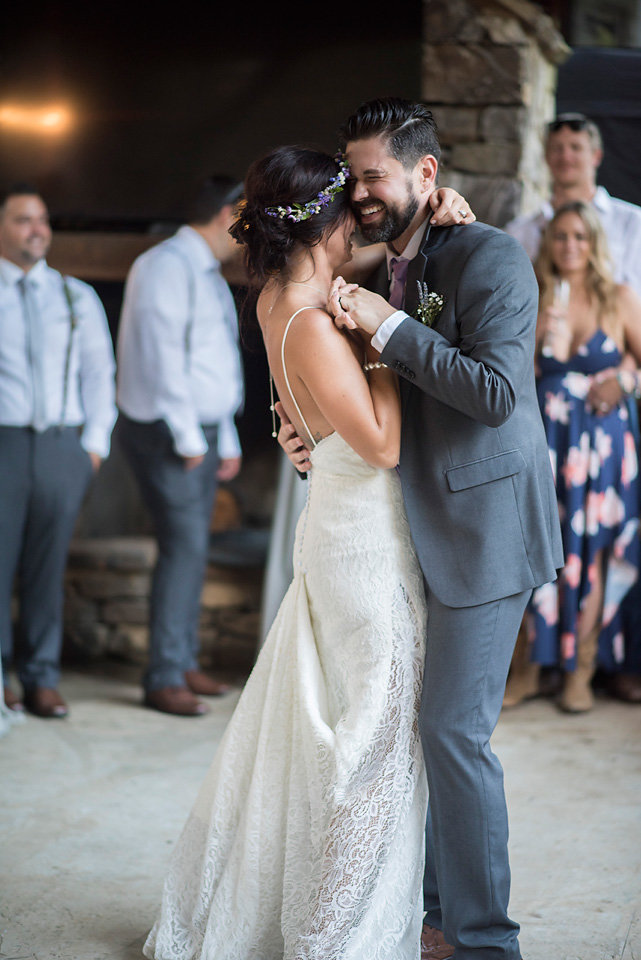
463 214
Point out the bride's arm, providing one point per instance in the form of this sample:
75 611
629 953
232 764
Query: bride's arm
363 408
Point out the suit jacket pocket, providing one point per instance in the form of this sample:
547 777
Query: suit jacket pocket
484 471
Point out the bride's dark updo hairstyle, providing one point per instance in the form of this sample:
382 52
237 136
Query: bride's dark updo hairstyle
286 176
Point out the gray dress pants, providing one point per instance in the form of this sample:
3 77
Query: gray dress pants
43 479
180 502
467 873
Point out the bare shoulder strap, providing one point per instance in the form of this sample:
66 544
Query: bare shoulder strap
282 360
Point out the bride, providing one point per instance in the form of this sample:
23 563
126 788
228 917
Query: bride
306 840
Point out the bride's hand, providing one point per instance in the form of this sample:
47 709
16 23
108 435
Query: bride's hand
450 207
338 289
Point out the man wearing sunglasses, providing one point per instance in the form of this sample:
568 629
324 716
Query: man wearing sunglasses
573 152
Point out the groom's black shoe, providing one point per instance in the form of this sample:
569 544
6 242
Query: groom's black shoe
433 944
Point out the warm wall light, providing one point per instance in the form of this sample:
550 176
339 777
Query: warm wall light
54 118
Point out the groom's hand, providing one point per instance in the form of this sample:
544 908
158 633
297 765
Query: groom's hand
355 307
292 445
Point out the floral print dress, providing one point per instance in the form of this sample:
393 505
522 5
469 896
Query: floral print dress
594 460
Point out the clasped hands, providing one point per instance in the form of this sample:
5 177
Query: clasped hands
354 307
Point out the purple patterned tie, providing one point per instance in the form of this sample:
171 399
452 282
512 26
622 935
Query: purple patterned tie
399 267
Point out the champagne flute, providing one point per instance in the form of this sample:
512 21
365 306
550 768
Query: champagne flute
557 342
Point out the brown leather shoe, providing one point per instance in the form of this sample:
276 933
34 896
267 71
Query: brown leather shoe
625 686
45 702
177 700
434 945
13 701
205 686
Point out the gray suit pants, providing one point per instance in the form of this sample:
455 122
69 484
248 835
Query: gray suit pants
467 873
43 479
180 502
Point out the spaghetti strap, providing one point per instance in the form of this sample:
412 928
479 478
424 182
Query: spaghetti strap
282 360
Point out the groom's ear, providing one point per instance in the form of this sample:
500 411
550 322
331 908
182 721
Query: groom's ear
427 169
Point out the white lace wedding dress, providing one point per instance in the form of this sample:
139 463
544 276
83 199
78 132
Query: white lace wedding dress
306 840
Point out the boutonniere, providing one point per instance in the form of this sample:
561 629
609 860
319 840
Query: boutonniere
430 304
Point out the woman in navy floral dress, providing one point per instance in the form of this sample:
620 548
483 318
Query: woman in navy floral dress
589 346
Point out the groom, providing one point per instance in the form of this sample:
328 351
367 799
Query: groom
478 490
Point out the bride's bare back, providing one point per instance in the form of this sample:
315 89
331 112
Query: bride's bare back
324 368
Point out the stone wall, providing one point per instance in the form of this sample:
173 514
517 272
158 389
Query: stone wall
489 73
112 556
107 589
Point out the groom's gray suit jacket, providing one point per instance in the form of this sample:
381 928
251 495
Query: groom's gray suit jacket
474 464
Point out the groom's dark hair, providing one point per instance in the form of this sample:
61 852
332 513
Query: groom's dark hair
408 128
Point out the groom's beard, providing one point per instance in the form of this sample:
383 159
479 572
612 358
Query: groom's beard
395 222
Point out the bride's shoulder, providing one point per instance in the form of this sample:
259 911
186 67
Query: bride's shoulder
310 323
313 335
313 316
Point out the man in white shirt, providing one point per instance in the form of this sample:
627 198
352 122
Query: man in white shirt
180 383
57 412
574 151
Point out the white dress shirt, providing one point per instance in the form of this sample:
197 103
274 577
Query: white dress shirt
178 353
622 225
387 328
89 400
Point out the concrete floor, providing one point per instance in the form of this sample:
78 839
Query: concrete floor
90 807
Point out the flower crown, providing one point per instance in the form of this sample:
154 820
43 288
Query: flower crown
303 211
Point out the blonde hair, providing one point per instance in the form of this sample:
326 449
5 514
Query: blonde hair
599 281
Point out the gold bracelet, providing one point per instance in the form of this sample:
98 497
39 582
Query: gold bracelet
374 365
